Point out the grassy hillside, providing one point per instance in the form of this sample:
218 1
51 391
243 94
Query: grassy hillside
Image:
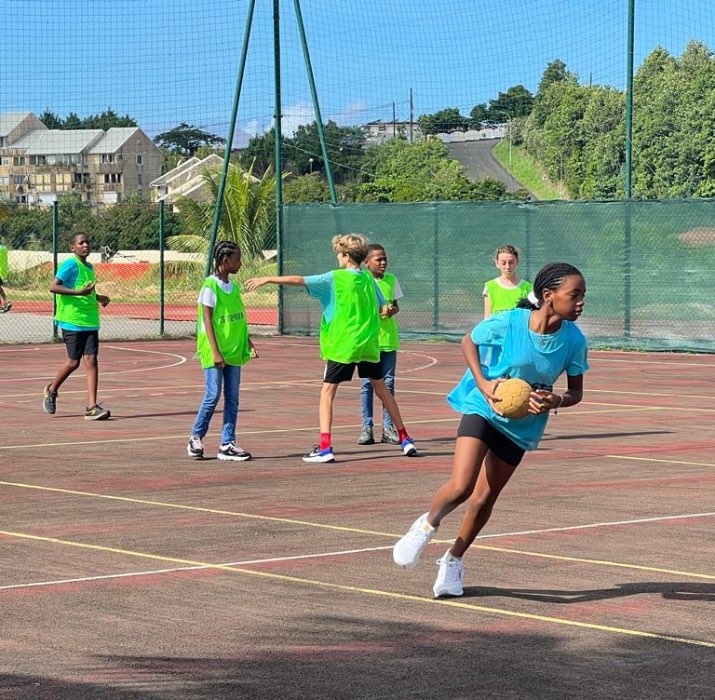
528 172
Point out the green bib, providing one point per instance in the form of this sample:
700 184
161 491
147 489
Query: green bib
506 299
79 311
352 334
389 337
230 328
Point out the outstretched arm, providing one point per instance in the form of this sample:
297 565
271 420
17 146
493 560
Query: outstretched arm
288 280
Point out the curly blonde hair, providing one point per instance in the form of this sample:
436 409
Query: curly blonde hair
352 244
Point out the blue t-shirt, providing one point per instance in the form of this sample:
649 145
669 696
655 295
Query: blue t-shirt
322 287
535 358
67 273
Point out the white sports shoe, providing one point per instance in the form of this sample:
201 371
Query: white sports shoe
406 552
449 576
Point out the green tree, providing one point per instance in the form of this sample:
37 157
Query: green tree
260 152
133 224
107 119
51 120
185 139
306 188
247 216
444 120
345 150
403 171
516 102
479 116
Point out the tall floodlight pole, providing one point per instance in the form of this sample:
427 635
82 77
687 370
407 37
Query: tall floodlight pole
316 104
278 153
628 233
229 139
629 100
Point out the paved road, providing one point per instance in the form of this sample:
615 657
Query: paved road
478 161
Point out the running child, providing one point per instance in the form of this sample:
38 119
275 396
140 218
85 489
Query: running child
223 347
506 291
389 340
539 341
349 329
4 305
78 317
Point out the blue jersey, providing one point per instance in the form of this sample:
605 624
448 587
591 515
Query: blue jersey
322 287
535 358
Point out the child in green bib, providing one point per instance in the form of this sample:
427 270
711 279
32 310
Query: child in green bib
223 347
506 291
349 335
77 316
389 341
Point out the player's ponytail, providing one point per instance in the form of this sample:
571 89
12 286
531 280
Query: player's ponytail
551 277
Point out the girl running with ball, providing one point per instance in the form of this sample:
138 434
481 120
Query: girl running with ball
538 341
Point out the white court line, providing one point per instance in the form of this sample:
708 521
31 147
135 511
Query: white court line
182 359
155 572
654 362
433 361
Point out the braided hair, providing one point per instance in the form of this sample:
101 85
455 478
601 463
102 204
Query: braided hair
223 250
551 277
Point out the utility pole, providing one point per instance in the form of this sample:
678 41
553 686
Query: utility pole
412 117
394 122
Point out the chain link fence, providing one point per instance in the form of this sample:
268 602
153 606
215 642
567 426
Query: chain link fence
649 265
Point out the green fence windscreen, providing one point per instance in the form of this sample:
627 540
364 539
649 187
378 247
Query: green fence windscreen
649 266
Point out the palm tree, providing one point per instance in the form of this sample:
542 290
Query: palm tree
247 216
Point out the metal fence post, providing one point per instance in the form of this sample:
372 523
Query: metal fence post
55 251
161 267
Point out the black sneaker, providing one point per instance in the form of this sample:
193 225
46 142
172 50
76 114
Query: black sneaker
232 453
390 436
49 401
96 412
366 436
195 448
5 308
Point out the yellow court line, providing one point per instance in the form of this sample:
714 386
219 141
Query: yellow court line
342 528
368 591
662 461
158 438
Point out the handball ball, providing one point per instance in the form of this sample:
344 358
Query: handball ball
514 395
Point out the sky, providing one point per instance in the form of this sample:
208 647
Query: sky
164 62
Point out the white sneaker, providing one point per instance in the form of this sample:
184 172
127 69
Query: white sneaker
232 453
449 576
406 552
195 448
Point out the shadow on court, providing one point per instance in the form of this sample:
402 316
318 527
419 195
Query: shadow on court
668 590
342 657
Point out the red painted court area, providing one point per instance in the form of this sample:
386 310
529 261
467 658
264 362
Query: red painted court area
146 311
130 571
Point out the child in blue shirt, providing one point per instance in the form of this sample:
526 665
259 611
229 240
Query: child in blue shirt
537 342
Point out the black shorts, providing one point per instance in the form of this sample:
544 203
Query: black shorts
476 426
81 343
338 372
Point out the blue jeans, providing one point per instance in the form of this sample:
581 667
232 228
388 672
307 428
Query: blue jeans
388 363
230 377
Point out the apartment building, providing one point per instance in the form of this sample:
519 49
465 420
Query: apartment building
38 165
